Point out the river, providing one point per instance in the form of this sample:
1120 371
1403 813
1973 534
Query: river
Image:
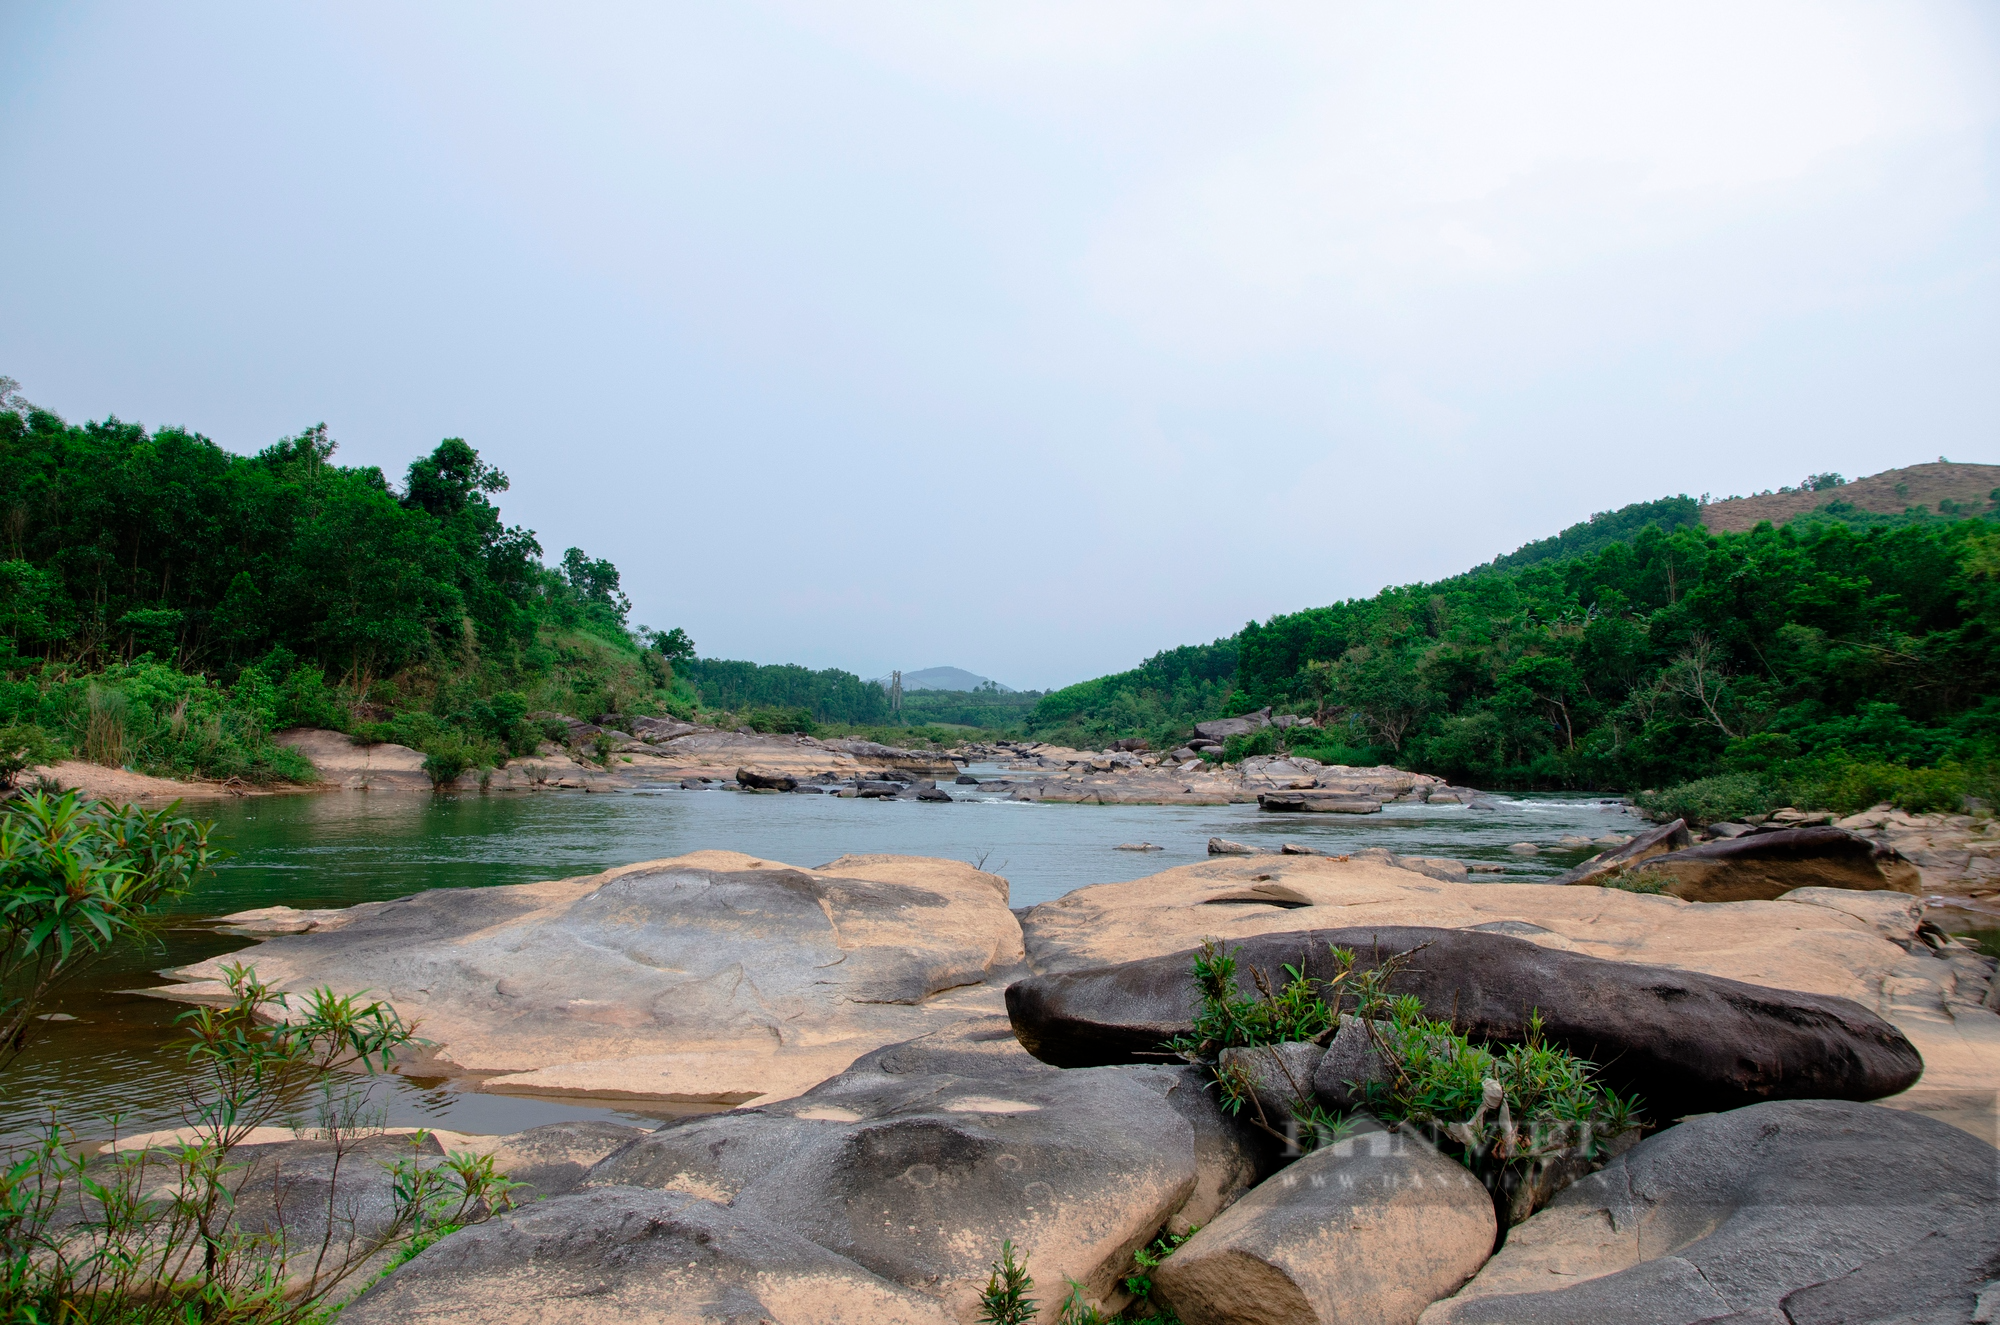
336 849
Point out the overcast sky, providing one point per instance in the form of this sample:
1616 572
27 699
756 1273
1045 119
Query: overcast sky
1028 339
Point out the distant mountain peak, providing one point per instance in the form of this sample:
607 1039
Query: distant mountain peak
946 678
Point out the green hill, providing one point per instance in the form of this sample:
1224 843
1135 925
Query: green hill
1635 649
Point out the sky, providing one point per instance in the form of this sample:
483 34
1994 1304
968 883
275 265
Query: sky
1026 338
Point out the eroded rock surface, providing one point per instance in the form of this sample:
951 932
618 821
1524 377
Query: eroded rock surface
1797 1211
902 1174
715 977
626 1255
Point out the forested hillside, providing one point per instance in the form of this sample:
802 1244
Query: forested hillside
165 603
1673 655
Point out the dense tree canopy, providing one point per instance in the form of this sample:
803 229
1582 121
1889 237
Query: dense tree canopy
1650 658
119 542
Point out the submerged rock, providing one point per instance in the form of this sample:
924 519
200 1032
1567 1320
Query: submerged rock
1653 842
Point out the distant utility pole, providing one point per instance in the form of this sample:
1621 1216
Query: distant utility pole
895 692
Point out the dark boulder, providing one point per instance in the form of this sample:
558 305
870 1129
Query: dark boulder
1653 842
933 793
1806 1212
1764 866
1317 802
966 780
1132 744
1686 1042
765 780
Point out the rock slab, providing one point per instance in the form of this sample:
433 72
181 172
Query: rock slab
710 978
919 1160
1791 1212
627 1255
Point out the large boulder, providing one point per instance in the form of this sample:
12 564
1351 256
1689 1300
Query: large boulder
1685 1042
1317 802
1762 866
1221 729
922 1158
1369 1230
766 779
713 978
1801 941
636 1256
1797 1211
1655 841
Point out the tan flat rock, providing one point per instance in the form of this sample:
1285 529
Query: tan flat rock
714 977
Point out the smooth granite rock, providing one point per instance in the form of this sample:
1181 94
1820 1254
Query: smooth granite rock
715 977
1367 1231
1800 1212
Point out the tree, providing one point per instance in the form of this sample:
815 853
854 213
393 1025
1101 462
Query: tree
449 479
673 645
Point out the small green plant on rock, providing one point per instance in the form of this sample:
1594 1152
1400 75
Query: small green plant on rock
1006 1300
1517 1115
1521 1116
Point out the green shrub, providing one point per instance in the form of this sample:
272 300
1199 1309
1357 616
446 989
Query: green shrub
1711 800
1006 1300
1263 741
1836 784
75 877
23 745
447 759
164 1246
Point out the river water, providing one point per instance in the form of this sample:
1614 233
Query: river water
337 849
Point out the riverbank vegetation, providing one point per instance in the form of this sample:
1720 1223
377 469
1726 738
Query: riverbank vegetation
167 605
1833 661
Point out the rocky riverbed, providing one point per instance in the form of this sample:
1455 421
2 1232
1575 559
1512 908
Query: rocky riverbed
866 1028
